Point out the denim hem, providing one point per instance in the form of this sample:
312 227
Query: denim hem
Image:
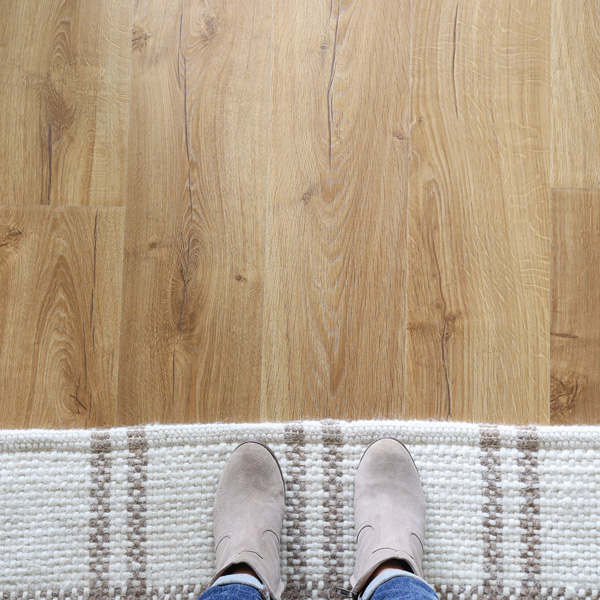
244 579
386 576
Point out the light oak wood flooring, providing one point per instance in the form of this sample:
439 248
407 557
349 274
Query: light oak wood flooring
270 210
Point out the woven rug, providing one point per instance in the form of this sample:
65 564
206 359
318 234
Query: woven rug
513 512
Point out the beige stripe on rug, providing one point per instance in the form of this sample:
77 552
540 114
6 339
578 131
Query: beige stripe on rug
126 513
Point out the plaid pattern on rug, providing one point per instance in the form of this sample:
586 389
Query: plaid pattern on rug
126 513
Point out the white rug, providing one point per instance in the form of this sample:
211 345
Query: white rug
513 512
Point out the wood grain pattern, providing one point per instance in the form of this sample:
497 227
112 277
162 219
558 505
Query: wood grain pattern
60 275
65 71
195 220
576 94
478 314
336 227
575 326
329 208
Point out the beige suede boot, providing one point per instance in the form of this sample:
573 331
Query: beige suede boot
248 514
389 511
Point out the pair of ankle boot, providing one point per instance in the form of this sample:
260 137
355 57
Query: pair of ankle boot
389 513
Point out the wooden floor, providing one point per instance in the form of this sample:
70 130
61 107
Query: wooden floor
271 210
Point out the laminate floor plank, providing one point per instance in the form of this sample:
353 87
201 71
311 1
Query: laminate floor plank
575 325
478 242
65 73
336 220
194 241
576 94
60 275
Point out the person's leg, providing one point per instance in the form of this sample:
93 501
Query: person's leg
400 587
389 512
231 587
238 582
247 522
394 580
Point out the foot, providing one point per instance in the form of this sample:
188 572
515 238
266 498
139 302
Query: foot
242 568
394 564
248 516
389 512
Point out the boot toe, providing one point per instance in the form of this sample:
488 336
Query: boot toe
251 465
386 460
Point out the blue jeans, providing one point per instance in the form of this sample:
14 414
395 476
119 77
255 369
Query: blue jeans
397 588
404 588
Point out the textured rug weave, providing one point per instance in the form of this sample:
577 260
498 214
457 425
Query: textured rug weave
513 512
